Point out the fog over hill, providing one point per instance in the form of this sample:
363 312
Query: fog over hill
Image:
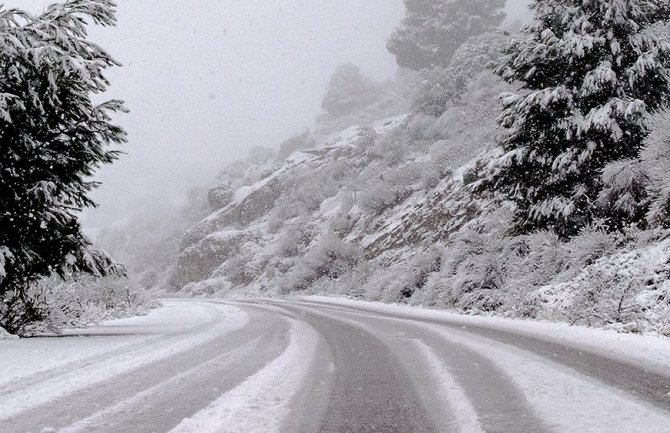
207 80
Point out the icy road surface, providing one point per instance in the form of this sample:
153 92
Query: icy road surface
320 365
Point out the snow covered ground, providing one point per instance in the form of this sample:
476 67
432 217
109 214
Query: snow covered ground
271 389
648 351
315 364
135 335
38 371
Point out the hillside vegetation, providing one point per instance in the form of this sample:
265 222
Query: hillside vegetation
391 197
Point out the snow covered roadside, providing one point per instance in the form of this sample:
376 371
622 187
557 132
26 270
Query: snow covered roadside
36 371
565 400
4 335
650 352
35 355
261 403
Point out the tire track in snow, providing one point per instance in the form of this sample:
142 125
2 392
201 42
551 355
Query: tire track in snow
262 402
492 394
451 394
371 390
648 384
154 409
567 400
144 345
79 393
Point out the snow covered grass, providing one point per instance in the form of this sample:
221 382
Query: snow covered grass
261 403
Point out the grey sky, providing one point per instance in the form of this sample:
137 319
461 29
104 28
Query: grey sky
207 79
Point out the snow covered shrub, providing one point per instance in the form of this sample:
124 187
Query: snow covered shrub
238 271
442 157
545 257
605 298
592 243
378 196
294 239
311 194
76 301
353 283
466 129
366 141
342 224
431 176
444 87
311 188
419 128
438 90
628 291
538 259
378 282
328 258
412 276
406 175
286 209
392 148
474 272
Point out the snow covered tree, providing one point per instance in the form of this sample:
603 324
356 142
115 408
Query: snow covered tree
444 86
624 197
433 30
53 137
349 91
591 71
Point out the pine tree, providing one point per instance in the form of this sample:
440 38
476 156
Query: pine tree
433 30
52 138
349 91
591 71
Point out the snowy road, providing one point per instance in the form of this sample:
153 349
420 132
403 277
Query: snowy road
317 365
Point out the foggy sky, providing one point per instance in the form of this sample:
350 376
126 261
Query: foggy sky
207 79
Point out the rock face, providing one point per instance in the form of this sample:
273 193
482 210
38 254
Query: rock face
313 193
220 196
198 261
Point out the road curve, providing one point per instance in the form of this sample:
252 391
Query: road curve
301 366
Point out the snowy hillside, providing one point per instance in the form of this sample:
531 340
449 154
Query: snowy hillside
388 211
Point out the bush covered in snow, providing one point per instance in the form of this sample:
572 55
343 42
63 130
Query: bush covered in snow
328 258
629 291
80 300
